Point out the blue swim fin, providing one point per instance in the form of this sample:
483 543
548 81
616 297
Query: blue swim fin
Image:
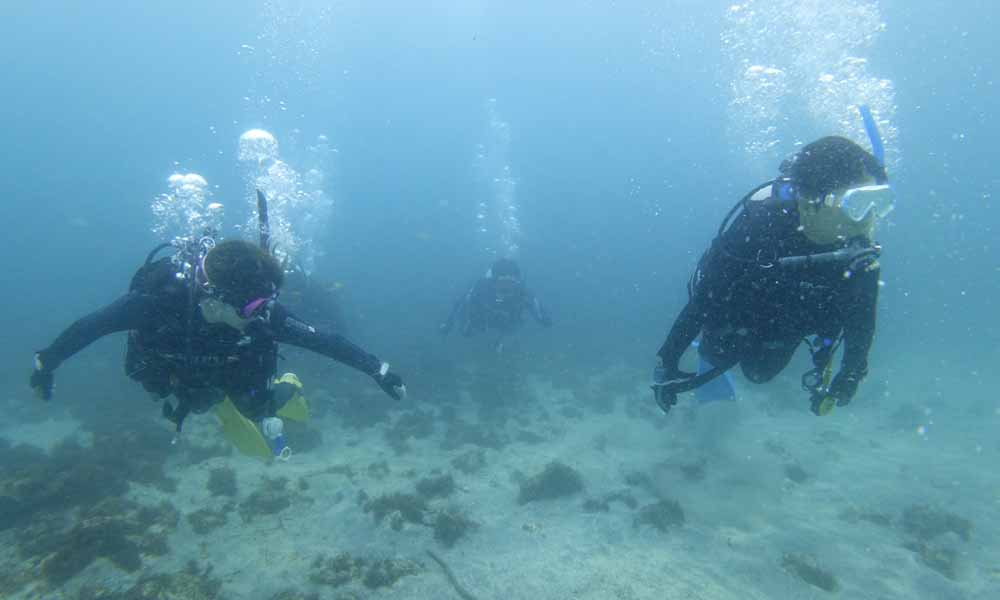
720 388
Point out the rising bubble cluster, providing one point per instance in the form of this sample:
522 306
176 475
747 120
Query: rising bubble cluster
186 209
497 217
257 145
798 70
298 206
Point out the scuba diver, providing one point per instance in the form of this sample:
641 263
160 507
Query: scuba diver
204 327
794 259
496 302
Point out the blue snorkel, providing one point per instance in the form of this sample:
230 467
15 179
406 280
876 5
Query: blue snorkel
878 150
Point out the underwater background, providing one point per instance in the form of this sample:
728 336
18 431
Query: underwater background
599 142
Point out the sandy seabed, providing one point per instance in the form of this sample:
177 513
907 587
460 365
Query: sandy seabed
875 501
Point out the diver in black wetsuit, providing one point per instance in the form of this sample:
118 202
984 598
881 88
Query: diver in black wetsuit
496 303
793 259
204 326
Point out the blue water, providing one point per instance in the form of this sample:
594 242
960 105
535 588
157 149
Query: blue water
617 114
613 109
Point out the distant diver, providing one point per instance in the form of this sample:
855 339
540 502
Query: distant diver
204 327
794 259
495 303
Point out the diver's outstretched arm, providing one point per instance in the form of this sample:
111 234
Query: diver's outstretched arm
289 329
684 330
460 308
127 312
859 332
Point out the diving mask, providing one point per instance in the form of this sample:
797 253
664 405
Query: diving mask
857 203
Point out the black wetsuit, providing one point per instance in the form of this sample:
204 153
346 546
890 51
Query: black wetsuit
752 311
487 306
173 350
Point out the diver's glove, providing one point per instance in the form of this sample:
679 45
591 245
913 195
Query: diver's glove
390 382
821 403
845 386
664 398
42 380
840 393
663 385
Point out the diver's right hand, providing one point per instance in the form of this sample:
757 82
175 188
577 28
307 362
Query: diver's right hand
660 375
42 382
391 383
663 397
662 394
821 404
663 385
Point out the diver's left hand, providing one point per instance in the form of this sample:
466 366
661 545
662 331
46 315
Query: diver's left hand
390 382
845 386
821 404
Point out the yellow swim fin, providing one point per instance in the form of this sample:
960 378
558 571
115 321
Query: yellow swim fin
241 432
296 409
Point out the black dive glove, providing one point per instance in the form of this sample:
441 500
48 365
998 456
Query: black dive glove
663 388
42 380
840 393
390 382
845 386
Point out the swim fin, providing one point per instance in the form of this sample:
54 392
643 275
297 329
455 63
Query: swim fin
720 388
241 432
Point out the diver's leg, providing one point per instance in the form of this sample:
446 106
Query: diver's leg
767 359
721 348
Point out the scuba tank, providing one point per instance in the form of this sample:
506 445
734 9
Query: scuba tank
186 266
